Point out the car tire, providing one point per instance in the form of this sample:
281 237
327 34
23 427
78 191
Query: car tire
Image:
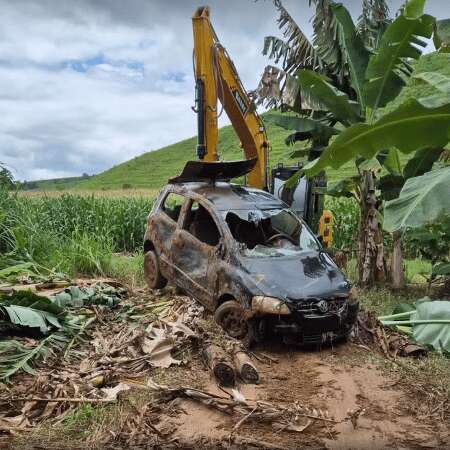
153 275
230 316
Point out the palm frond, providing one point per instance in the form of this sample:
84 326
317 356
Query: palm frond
326 37
372 22
296 51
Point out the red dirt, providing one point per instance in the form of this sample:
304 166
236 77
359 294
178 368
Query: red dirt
324 380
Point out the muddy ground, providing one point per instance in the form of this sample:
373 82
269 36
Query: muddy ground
341 380
370 403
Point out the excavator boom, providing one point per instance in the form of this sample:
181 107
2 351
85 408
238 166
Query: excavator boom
217 79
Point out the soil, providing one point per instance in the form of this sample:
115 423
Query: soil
340 381
343 381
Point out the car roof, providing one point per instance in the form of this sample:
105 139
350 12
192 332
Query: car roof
228 196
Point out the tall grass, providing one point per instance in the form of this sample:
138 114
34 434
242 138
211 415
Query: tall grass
70 233
346 215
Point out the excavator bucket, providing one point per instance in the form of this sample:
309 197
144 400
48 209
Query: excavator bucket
213 170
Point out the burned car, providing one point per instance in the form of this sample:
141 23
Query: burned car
247 258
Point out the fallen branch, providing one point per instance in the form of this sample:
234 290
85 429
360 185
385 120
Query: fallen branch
256 410
245 368
238 424
219 363
62 399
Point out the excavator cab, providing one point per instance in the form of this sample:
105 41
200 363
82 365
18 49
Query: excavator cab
305 198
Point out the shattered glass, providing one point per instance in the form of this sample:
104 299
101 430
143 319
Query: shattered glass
270 232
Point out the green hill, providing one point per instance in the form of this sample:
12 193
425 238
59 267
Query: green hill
52 184
153 169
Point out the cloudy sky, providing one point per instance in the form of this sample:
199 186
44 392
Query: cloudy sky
87 84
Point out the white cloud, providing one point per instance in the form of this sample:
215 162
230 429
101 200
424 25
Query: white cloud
88 84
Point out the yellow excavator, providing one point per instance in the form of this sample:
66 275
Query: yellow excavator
216 78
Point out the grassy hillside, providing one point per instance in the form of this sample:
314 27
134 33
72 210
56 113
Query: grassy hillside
153 169
53 184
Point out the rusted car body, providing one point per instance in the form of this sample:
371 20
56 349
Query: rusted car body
236 250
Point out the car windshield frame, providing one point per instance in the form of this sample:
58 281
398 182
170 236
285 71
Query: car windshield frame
307 242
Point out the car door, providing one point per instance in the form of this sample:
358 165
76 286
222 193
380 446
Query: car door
165 224
195 249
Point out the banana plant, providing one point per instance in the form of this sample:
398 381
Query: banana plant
367 135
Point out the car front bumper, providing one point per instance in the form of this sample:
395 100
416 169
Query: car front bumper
313 328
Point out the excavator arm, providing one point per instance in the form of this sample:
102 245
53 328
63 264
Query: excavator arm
217 79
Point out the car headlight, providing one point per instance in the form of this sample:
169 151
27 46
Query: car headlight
269 305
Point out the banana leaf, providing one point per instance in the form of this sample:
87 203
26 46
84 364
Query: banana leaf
26 309
99 294
320 88
441 36
29 299
442 268
401 41
353 49
428 324
28 317
433 333
17 357
414 125
13 272
422 200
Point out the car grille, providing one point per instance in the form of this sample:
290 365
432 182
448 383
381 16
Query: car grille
311 306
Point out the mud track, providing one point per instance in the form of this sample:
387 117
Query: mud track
387 410
340 380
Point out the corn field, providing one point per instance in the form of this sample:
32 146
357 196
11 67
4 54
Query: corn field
70 233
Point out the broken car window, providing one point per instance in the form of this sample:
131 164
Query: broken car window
172 205
200 224
275 232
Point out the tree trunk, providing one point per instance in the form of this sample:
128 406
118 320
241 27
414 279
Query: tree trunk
370 239
397 274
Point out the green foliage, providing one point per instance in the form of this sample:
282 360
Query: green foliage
421 162
85 253
346 216
305 128
319 87
413 126
18 357
386 69
72 234
423 200
29 299
428 323
6 178
431 242
354 52
26 316
441 36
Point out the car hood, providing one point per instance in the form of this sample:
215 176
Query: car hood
309 275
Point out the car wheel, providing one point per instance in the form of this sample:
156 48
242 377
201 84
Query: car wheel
230 316
153 275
